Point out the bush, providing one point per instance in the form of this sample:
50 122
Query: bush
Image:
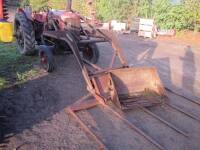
186 15
172 17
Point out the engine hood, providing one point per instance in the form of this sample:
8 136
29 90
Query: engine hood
63 15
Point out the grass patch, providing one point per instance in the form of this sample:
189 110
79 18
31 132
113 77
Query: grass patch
3 83
15 68
24 76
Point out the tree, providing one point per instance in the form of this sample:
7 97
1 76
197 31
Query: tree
37 4
185 15
193 7
145 8
104 10
116 9
24 2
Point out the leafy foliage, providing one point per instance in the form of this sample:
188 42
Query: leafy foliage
171 17
37 4
145 8
116 9
81 6
185 15
193 7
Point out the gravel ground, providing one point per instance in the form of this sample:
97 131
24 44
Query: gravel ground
36 119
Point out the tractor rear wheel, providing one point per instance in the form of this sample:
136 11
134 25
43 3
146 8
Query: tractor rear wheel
91 53
25 34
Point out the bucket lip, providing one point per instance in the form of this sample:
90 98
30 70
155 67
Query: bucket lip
152 69
130 68
112 70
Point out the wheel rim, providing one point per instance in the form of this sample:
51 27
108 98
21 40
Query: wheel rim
44 61
88 53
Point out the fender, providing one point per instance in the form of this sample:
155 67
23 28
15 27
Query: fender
27 16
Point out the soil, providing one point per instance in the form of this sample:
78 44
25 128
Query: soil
33 114
187 37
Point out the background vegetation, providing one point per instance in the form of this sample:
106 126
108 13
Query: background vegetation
168 15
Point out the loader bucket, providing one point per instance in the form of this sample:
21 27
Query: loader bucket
129 87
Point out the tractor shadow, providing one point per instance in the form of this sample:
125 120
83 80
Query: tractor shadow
23 106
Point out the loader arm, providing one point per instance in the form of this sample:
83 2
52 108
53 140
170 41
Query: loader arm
69 39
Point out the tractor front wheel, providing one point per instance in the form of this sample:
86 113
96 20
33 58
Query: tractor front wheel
91 53
46 59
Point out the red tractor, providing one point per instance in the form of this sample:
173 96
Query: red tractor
43 31
51 31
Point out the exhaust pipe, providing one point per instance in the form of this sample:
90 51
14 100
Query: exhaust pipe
69 5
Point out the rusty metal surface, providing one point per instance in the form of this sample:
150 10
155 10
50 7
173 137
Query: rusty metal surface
133 80
131 87
84 105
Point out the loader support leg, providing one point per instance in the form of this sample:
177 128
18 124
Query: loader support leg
101 146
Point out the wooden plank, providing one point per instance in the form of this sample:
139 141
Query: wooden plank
146 28
147 21
145 34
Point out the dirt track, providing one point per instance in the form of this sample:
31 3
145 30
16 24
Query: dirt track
35 111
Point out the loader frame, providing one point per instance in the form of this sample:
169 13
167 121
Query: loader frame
89 72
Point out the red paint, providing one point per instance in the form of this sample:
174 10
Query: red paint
41 17
1 9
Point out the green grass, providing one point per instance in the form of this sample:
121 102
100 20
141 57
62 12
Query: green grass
3 83
15 68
